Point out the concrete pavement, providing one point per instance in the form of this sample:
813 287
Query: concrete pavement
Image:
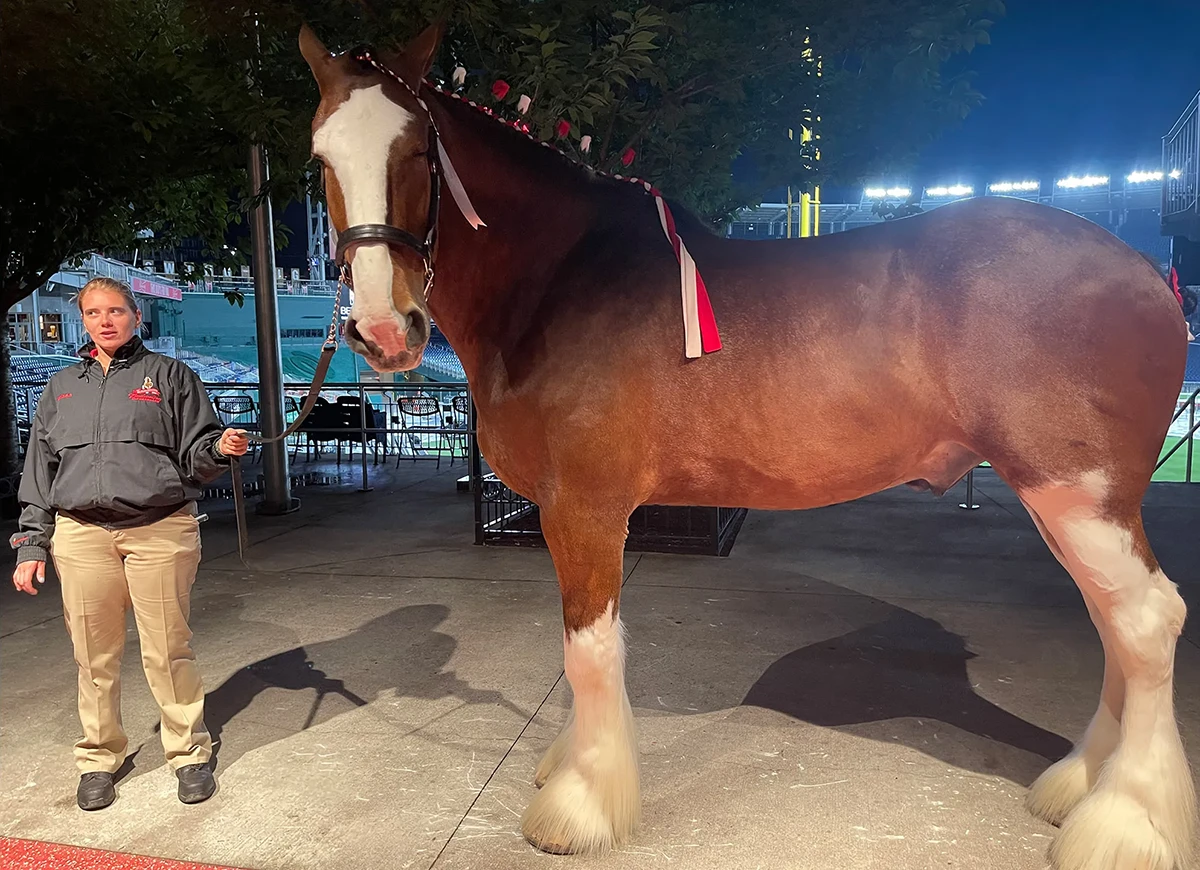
866 686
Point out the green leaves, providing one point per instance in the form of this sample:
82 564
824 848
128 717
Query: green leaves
124 116
130 115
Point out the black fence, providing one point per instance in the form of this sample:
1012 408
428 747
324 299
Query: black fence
505 518
406 422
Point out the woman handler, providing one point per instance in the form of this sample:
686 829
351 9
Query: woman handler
120 447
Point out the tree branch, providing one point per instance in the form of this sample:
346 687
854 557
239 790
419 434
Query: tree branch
25 282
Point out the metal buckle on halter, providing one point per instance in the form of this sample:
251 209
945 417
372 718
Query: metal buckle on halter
428 274
332 338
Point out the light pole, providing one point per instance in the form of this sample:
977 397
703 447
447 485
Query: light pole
277 485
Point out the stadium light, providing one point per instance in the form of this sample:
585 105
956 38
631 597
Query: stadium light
1072 182
952 190
1175 173
883 193
1014 186
1141 177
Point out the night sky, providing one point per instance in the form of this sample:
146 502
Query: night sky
1073 86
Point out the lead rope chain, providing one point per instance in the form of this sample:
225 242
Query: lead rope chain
328 349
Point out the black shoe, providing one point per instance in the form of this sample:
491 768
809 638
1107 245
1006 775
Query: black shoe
196 783
95 791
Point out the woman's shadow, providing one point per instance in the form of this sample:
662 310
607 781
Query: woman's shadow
400 651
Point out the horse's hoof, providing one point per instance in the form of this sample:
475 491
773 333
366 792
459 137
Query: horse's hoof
574 814
1112 831
549 848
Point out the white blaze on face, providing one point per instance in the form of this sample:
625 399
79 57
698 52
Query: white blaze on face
355 142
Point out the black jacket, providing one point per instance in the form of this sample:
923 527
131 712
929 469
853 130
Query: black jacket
119 450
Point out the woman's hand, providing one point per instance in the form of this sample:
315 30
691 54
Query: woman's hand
233 442
25 573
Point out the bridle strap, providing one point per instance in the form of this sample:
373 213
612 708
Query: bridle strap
380 234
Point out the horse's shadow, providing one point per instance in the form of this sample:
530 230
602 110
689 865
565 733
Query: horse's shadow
904 667
899 666
400 652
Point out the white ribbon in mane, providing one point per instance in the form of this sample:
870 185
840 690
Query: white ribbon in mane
455 183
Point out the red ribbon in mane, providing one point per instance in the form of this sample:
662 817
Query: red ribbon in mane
699 322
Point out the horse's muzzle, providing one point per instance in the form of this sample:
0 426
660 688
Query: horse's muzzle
390 344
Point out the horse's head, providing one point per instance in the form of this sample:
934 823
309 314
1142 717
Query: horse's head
373 139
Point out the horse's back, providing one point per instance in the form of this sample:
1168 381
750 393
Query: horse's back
1026 290
994 326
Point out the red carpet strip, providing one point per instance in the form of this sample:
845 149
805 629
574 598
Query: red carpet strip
36 855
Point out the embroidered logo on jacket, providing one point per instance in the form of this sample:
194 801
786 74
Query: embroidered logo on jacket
147 392
62 396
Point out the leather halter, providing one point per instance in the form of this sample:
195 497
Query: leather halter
386 234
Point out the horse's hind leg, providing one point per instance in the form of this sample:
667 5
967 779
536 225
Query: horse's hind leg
1140 813
589 799
1064 784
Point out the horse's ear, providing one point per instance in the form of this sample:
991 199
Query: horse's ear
320 61
419 54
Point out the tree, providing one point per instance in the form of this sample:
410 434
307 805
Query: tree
688 85
126 116
119 117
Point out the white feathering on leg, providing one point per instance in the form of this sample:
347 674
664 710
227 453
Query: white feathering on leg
590 801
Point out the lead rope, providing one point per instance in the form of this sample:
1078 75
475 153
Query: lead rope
328 349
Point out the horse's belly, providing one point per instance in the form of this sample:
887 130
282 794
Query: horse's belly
812 476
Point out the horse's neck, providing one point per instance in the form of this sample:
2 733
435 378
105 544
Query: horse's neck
490 281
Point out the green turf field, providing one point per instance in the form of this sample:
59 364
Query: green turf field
1176 467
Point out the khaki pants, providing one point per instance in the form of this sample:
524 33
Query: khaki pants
150 569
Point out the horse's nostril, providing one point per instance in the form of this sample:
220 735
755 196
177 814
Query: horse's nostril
353 334
418 329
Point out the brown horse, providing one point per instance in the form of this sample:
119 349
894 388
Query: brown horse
996 329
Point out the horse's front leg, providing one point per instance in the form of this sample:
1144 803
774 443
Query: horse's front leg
589 799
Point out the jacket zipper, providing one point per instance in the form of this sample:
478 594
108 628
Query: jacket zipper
96 436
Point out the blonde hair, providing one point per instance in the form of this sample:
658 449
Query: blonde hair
112 284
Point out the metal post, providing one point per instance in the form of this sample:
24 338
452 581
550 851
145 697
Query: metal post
362 411
1187 474
969 504
476 470
789 206
35 325
316 236
277 492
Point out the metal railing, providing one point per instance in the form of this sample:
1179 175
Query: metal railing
96 265
1111 206
408 421
1181 162
1188 440
435 421
245 286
